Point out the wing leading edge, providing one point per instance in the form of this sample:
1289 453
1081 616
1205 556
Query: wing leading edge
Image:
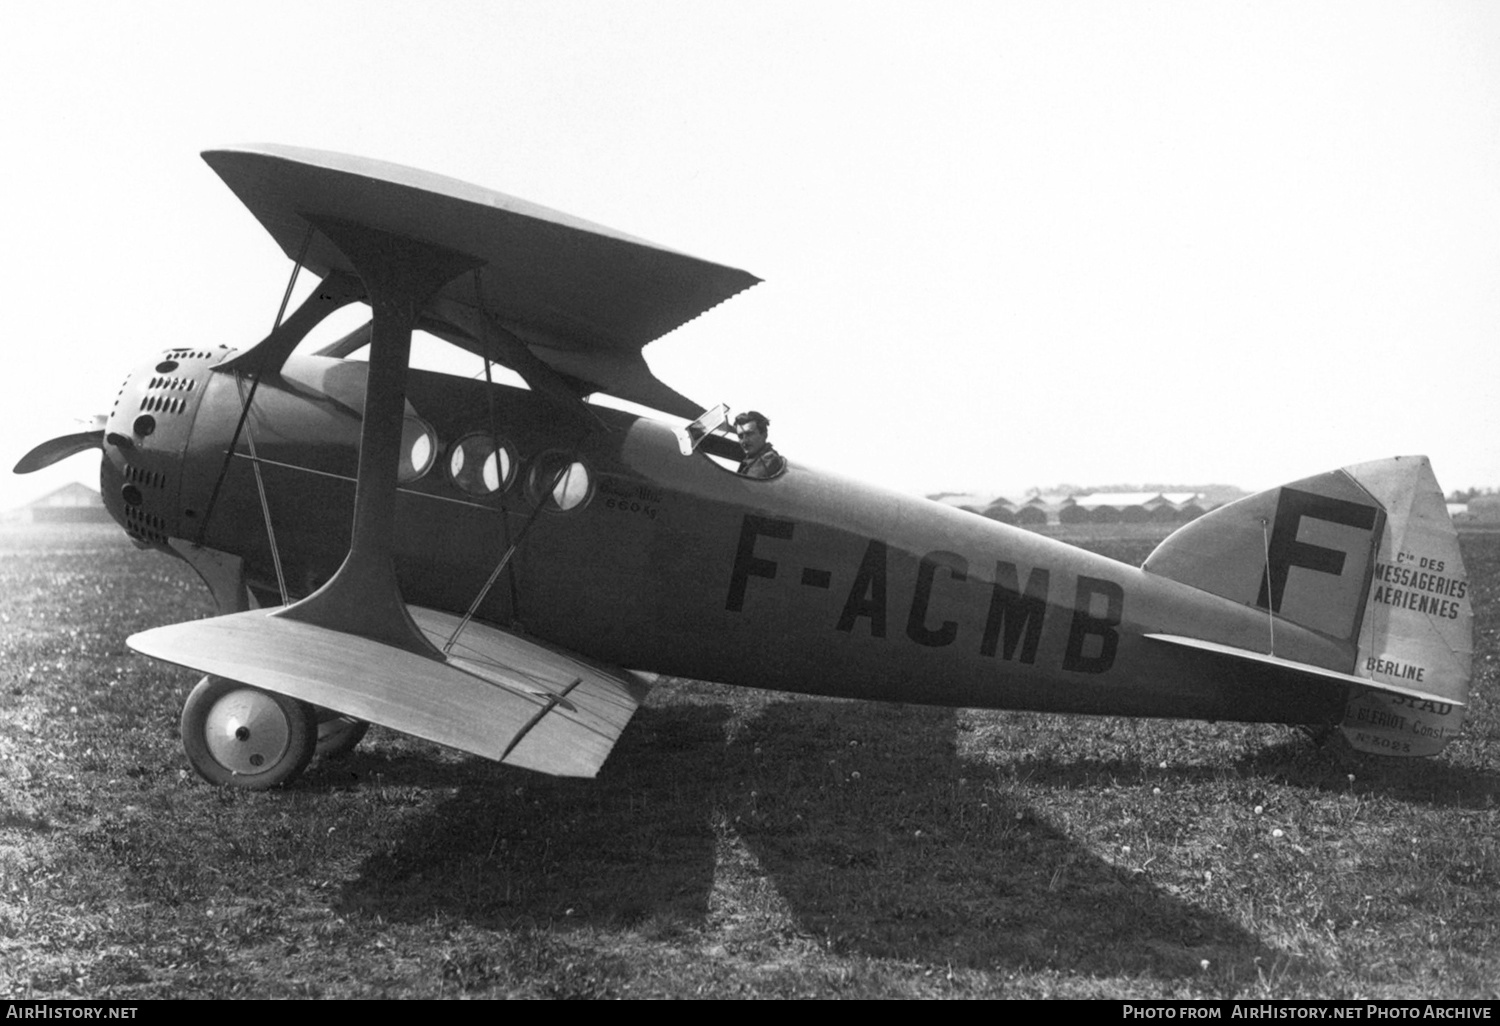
497 695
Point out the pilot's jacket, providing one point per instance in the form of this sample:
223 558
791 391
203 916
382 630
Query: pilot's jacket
764 464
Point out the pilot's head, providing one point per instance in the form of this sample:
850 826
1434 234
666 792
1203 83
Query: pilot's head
751 427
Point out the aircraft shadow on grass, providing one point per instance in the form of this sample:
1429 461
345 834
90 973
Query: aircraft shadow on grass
1434 782
1296 761
864 820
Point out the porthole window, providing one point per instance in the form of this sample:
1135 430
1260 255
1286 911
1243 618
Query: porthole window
559 483
480 466
418 449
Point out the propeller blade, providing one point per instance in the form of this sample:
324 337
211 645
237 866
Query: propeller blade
60 448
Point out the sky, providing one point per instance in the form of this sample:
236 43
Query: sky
1003 244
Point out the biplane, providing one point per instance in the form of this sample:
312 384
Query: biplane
504 570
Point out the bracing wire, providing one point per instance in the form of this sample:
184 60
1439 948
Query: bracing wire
234 440
505 559
286 297
489 398
265 512
543 497
1265 534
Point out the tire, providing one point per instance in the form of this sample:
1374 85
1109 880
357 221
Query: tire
239 736
338 735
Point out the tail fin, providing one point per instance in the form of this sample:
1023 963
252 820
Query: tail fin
1366 555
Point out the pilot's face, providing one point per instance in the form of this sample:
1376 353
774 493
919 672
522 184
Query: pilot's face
751 437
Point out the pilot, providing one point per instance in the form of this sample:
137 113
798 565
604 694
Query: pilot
761 460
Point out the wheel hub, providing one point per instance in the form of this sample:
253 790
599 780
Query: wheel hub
247 732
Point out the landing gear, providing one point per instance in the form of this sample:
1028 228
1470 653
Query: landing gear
1320 734
244 737
337 735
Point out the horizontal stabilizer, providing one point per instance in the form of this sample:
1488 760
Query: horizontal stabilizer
497 695
1319 671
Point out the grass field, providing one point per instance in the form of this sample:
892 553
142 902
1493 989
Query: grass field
737 844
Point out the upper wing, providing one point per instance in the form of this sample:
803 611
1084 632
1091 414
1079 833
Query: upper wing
584 298
496 695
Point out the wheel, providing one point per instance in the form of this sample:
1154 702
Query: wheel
1318 733
245 737
337 735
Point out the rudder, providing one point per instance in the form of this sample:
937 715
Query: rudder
1418 620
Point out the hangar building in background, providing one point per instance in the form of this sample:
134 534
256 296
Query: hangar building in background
1039 508
71 504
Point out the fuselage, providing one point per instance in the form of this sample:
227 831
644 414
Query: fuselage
808 582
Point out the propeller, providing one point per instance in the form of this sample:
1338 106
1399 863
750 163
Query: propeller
63 446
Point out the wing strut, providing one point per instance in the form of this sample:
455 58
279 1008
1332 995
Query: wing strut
493 342
333 293
400 275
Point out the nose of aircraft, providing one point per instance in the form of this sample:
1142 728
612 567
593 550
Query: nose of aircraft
143 438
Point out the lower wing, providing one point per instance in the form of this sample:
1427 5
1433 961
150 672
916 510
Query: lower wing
497 694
